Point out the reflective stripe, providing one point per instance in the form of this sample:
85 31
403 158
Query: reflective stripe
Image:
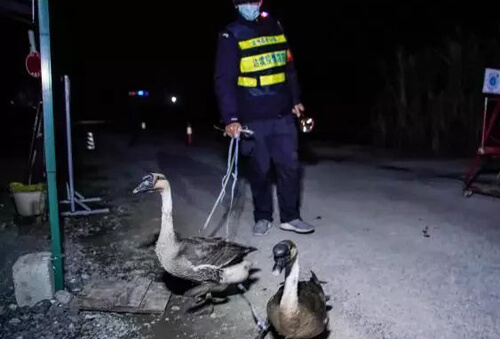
272 79
262 41
265 80
247 82
263 61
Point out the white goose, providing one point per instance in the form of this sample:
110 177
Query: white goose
212 262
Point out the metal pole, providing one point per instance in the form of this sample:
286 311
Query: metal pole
67 92
485 115
50 154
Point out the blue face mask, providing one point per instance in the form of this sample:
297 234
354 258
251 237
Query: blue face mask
249 11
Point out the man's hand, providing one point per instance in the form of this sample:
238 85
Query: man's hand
233 129
298 109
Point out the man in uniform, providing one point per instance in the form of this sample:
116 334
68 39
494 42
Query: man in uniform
257 86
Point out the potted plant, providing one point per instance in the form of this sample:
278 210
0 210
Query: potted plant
29 199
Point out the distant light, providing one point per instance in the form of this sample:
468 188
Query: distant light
140 93
173 99
264 14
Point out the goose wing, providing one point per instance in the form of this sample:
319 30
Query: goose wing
312 296
273 309
215 252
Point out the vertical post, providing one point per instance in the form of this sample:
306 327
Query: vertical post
485 115
50 154
67 97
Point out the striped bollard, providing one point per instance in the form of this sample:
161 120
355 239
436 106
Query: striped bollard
90 141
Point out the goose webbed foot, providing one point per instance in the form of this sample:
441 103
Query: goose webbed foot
203 301
198 291
204 289
216 301
204 304
199 305
208 298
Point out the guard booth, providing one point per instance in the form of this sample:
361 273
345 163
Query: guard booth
483 176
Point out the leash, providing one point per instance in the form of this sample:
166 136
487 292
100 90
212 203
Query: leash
259 321
231 172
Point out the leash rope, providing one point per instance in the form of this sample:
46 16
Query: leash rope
232 163
235 180
232 172
258 320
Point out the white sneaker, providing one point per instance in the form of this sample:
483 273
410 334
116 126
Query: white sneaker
298 226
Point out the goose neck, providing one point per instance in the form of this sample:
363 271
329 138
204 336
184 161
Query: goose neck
167 225
290 292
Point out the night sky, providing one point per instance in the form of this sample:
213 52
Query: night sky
110 47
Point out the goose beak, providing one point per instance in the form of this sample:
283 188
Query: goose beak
281 253
144 186
279 265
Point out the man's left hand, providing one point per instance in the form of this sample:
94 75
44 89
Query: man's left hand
298 109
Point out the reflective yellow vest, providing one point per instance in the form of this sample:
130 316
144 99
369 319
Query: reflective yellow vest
263 58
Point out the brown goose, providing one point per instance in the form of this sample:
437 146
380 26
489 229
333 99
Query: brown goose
298 309
212 262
